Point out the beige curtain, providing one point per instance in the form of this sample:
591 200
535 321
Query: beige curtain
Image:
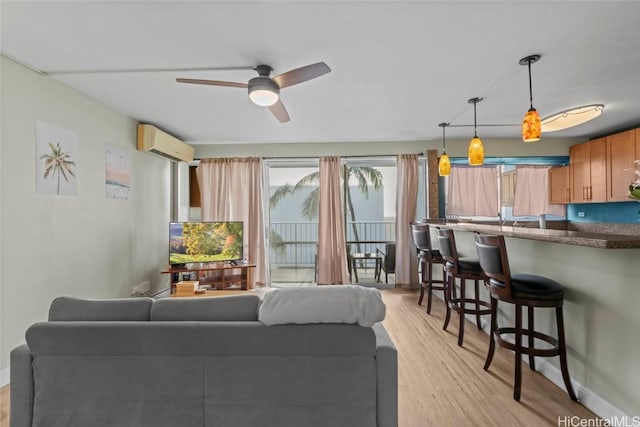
406 201
231 189
532 192
473 190
332 246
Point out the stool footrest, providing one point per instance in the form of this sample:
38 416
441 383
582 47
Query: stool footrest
546 352
435 288
454 303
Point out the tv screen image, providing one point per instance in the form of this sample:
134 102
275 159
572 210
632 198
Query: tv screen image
215 241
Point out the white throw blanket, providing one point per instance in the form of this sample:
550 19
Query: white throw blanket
322 304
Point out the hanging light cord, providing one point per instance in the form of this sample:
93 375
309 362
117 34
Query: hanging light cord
444 141
475 132
530 88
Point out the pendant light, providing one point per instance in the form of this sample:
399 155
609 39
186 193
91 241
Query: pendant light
475 153
531 127
444 165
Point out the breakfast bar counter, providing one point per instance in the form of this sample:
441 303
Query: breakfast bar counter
601 294
570 237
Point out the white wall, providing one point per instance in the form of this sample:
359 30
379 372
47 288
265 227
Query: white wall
84 245
547 146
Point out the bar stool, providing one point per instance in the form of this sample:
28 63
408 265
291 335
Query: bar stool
427 256
528 290
460 268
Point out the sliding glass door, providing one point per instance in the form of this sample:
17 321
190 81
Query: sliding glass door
370 214
293 220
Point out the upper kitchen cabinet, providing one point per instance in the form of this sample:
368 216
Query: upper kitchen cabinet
559 191
621 152
194 188
587 171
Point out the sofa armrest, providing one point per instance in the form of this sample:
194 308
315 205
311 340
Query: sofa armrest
387 378
21 387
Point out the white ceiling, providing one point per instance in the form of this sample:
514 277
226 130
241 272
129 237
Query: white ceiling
398 68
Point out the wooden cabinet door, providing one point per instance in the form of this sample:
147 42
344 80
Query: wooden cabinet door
559 193
194 188
621 152
597 191
579 172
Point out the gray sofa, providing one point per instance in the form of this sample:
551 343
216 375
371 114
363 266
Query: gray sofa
198 362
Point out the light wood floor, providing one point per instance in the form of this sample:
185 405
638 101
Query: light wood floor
4 406
441 384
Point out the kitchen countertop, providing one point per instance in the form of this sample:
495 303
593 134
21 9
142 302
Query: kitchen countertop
579 238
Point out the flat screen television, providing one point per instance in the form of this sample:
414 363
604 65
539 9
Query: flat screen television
214 241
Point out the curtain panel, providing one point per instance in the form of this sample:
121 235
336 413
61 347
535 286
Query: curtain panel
532 192
406 203
332 245
231 189
473 191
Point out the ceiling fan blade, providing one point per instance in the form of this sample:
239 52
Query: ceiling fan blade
302 74
280 112
212 83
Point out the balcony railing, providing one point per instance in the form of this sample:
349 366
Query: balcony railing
293 244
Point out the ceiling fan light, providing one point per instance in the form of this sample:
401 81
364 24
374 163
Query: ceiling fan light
531 128
263 91
263 97
444 165
475 153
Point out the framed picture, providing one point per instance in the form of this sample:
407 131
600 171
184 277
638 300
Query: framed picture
56 160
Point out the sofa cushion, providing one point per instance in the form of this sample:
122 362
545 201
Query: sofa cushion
78 309
227 308
192 338
322 304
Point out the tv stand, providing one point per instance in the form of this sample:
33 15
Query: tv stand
218 276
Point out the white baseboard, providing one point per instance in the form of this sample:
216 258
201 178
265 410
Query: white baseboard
587 397
4 377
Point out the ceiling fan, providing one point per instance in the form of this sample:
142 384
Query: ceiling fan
265 91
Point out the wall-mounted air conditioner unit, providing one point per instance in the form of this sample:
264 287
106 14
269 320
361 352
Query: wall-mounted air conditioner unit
152 139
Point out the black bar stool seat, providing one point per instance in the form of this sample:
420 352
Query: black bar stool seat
469 266
427 257
528 290
532 286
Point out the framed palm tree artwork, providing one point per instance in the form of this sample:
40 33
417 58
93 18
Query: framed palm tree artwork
56 160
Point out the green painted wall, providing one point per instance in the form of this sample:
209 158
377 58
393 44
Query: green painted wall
84 245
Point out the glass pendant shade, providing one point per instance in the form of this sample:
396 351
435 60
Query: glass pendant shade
531 127
444 165
475 153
